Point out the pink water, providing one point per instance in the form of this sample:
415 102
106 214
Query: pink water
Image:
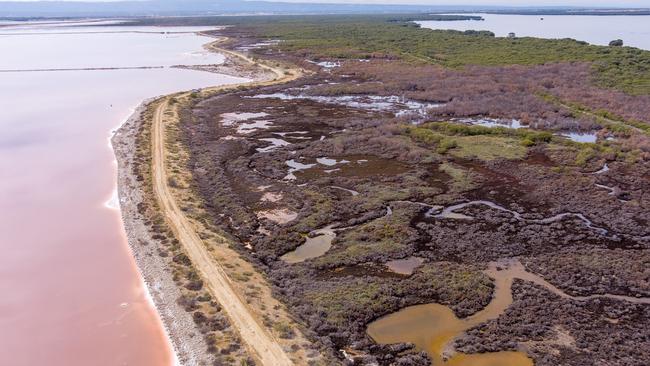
70 291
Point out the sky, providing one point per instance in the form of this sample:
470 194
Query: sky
586 3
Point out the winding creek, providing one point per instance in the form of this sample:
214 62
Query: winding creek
449 213
320 241
602 170
319 244
433 327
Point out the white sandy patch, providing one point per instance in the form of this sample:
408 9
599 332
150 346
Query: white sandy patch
245 128
279 215
271 197
114 202
230 137
229 119
330 162
275 143
295 166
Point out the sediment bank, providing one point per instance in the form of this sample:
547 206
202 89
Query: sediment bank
184 333
188 347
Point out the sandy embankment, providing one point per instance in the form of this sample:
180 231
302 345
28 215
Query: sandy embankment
185 337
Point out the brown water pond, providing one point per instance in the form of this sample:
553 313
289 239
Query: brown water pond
432 328
313 247
404 266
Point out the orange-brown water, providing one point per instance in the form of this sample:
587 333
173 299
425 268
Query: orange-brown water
70 290
404 266
432 327
313 247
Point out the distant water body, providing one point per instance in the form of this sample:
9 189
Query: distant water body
598 30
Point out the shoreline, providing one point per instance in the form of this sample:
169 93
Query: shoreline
185 339
187 347
113 203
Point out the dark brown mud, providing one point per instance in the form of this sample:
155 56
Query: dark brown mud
294 166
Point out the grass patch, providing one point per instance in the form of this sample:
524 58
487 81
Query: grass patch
485 143
283 330
462 178
457 129
608 119
343 303
489 148
381 237
360 300
452 282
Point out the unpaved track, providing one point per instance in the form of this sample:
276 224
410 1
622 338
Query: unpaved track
262 344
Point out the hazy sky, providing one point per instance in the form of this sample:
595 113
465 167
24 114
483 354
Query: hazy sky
590 3
587 3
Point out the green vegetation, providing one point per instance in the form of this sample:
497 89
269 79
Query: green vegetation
323 210
461 178
445 145
485 143
344 303
375 195
608 119
584 155
490 148
382 237
623 68
457 129
452 282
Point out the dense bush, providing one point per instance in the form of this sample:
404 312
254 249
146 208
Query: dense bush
625 68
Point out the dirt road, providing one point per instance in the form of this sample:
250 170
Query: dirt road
261 343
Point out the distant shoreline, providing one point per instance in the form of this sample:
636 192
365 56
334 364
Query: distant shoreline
43 11
87 69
